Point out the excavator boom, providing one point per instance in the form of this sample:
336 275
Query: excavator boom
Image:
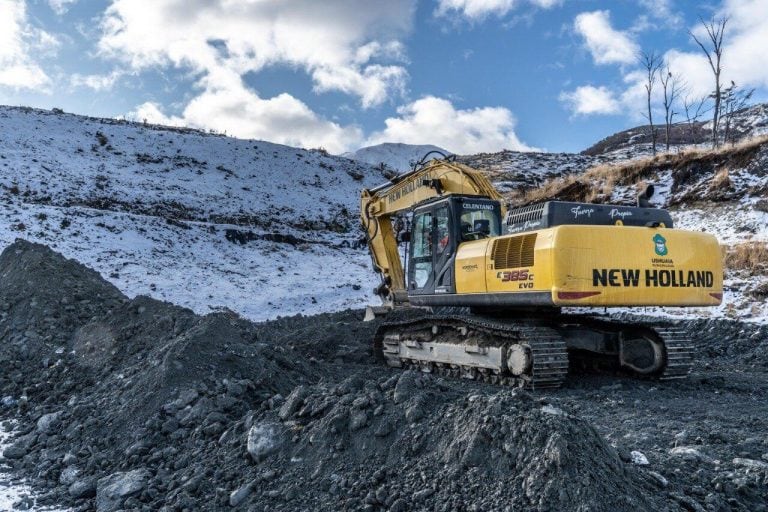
379 206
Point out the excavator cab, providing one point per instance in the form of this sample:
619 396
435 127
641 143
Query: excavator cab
439 226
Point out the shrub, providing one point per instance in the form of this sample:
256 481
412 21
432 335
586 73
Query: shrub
750 256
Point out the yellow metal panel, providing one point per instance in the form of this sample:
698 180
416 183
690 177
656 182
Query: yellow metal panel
529 278
605 266
470 267
635 266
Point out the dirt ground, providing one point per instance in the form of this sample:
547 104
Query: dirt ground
136 404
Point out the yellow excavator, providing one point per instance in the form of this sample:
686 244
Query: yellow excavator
482 293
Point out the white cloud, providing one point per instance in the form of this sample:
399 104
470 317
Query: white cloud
694 68
432 120
663 12
746 38
240 112
61 7
745 41
96 82
479 9
18 41
346 45
588 100
607 45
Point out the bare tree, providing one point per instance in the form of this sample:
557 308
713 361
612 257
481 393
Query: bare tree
714 51
672 87
733 99
694 109
652 63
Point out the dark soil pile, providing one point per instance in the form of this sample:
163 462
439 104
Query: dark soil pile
104 383
732 341
412 442
141 405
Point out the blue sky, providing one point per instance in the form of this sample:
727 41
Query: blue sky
468 75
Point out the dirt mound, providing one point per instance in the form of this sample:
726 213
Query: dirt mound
414 442
142 405
44 298
731 341
102 373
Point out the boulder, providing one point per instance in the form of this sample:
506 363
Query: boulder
113 490
47 422
264 439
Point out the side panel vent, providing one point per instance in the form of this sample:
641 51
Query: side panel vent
526 213
514 251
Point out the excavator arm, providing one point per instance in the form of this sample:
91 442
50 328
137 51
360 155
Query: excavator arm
379 205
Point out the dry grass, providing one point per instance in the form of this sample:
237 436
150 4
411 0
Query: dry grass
721 181
604 177
750 256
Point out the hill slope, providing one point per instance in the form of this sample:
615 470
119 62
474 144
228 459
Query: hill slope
211 222
160 210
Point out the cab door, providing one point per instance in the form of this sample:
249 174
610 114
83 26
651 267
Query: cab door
432 251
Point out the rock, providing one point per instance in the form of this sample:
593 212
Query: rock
406 386
551 409
386 427
357 420
751 463
399 505
197 413
69 459
48 422
415 412
660 480
293 402
185 398
361 402
264 439
689 453
15 451
638 458
85 488
423 494
112 491
69 475
687 502
20 446
240 494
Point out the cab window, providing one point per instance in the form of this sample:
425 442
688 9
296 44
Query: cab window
422 249
480 223
443 230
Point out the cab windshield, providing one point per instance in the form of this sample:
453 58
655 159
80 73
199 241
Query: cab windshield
479 223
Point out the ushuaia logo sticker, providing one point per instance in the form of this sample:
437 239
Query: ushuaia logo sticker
660 244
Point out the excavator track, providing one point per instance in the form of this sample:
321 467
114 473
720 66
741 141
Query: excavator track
522 353
679 351
476 348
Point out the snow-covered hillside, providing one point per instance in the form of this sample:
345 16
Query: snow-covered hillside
751 121
205 221
513 171
396 156
212 222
